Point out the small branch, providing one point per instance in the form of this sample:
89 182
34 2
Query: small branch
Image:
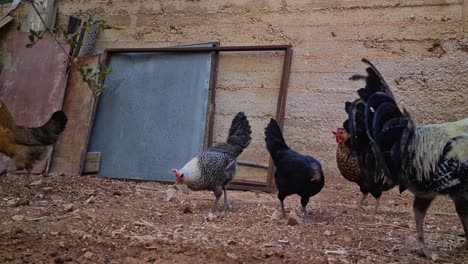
388 225
49 30
147 188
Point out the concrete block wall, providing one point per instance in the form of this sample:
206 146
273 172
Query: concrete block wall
420 47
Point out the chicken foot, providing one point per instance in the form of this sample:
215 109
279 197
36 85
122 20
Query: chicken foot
420 206
377 203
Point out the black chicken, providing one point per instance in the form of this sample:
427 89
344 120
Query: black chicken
295 173
428 160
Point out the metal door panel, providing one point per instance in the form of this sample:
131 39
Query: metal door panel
152 116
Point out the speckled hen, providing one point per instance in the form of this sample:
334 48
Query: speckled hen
214 168
348 164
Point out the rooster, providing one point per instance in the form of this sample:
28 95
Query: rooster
24 145
348 164
295 173
428 160
214 168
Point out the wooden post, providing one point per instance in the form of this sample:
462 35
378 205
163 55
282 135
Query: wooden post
48 12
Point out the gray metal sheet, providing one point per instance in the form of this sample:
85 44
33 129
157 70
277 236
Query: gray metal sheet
152 116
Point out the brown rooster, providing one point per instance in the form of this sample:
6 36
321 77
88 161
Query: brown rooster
24 145
348 164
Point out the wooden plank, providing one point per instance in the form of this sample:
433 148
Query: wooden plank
47 12
79 103
5 20
92 162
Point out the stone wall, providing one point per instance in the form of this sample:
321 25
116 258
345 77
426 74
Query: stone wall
420 46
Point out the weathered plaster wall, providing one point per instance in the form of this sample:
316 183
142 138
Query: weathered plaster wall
420 46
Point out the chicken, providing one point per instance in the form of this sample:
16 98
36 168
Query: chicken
348 164
24 145
428 160
214 168
295 173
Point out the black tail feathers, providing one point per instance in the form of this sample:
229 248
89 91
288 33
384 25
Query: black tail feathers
240 133
49 132
274 138
57 122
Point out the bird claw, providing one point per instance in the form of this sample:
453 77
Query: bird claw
425 252
361 208
464 246
227 207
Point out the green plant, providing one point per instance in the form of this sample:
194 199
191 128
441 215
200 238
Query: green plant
94 78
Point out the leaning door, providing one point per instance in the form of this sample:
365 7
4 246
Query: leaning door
152 115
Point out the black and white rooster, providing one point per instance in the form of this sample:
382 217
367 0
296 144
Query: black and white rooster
295 173
214 168
427 160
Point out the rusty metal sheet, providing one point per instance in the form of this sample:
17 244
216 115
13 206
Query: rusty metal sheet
33 84
79 103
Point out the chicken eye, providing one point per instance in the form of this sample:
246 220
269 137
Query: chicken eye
182 176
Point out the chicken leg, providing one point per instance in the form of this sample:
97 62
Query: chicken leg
227 206
364 196
304 202
461 206
377 203
281 198
217 193
420 206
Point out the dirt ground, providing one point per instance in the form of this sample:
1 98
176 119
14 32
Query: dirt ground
96 220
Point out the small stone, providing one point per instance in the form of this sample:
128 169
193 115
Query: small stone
279 254
187 210
232 256
211 217
327 233
12 202
69 208
90 200
277 215
293 220
88 255
35 183
62 244
170 194
406 225
17 217
231 242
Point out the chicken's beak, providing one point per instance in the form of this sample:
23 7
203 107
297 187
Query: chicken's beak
177 175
